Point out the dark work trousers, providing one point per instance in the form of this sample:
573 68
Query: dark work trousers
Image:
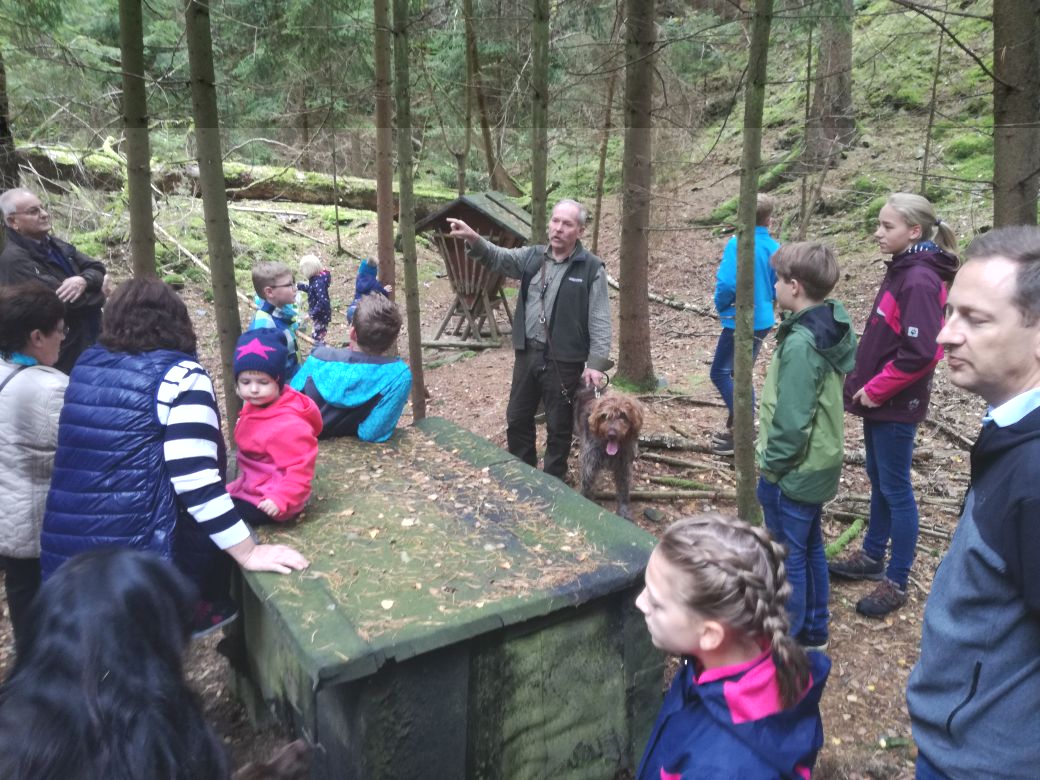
22 580
536 377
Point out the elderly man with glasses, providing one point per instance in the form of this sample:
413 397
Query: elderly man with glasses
32 253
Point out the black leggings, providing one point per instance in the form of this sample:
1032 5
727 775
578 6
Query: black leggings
251 514
22 580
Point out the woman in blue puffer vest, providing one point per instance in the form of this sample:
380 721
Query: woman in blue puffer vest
140 459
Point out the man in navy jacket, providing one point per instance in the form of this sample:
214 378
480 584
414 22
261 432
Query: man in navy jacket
32 253
973 694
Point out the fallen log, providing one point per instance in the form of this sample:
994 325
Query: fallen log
105 169
662 441
704 311
670 461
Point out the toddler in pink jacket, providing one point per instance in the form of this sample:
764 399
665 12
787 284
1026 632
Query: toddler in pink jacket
276 433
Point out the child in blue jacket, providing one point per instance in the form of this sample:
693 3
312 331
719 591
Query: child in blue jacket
318 301
367 282
360 391
745 702
721 372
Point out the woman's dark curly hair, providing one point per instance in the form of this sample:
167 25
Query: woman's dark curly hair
146 314
24 308
98 690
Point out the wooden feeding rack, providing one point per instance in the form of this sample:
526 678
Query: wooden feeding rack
478 291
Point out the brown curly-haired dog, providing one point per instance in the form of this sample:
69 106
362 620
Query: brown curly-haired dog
608 428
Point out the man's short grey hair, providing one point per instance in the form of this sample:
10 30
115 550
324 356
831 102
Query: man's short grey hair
1021 245
7 199
583 213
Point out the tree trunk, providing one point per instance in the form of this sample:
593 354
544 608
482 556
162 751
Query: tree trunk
832 126
214 201
1016 111
539 115
384 147
407 215
634 361
743 403
138 151
500 180
932 103
462 157
605 136
8 158
304 122
803 210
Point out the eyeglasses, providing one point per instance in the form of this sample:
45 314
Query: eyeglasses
35 211
287 284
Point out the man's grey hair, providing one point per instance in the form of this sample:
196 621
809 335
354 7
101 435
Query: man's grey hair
1021 245
8 198
583 213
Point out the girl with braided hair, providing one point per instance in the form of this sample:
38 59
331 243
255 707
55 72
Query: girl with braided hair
745 701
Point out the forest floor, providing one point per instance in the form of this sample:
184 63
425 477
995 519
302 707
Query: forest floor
866 724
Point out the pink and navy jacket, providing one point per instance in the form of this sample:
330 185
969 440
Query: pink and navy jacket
898 352
277 449
727 723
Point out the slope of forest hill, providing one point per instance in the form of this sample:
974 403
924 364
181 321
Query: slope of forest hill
696 164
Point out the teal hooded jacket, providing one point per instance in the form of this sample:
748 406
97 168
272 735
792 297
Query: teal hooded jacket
801 438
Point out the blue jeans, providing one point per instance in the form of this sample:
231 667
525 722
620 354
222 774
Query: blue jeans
893 509
722 366
798 527
926 770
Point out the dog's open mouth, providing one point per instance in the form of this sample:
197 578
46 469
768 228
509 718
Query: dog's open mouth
612 447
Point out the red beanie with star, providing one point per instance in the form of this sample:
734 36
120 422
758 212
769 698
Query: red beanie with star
264 350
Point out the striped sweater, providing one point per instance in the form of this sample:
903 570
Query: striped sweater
192 447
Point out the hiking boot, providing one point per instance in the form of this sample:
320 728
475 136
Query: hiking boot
211 615
723 445
886 597
857 566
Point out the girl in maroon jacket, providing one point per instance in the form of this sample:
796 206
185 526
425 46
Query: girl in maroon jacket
890 387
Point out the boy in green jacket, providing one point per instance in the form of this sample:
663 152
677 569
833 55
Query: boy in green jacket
801 435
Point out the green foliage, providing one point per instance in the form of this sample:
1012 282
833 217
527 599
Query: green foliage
695 45
578 180
280 61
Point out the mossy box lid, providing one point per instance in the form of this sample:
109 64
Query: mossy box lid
433 538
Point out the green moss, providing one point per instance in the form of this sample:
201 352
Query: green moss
429 269
963 147
727 211
176 281
869 185
978 167
871 211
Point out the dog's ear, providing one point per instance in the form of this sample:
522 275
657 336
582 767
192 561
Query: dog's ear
635 415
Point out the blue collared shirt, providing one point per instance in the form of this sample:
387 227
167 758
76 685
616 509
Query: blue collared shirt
1010 412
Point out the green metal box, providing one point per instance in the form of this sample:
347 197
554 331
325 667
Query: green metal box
464 616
